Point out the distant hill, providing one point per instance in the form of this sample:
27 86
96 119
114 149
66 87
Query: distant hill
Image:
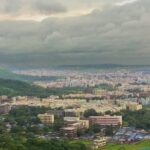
103 66
7 74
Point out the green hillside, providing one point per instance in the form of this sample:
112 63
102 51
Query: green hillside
15 87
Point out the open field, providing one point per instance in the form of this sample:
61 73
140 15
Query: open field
144 145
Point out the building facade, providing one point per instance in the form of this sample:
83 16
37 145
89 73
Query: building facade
46 118
99 143
106 120
69 132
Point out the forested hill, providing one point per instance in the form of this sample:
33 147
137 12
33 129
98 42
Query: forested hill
20 88
13 88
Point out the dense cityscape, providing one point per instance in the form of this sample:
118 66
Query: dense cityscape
74 74
104 107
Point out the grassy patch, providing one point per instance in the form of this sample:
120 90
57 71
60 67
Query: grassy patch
144 145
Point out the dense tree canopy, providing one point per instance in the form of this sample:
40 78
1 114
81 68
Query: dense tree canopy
15 88
90 112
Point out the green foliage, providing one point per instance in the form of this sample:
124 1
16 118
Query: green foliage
22 135
14 88
109 131
8 142
59 123
27 120
139 119
122 148
90 112
143 145
95 128
104 86
80 132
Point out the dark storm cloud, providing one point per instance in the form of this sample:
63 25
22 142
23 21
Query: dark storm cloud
118 34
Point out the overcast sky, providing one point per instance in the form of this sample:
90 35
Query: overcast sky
43 33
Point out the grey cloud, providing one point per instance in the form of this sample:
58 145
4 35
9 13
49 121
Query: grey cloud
47 7
30 7
10 7
115 35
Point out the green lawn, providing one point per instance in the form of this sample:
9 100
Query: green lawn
86 142
144 145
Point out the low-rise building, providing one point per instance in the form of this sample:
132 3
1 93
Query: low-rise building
84 123
99 143
46 118
71 113
69 132
106 120
68 120
81 124
134 106
3 99
56 112
5 108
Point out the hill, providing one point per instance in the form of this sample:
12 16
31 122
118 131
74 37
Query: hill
13 88
7 74
20 88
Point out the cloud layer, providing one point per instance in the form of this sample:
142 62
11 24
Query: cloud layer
23 7
109 34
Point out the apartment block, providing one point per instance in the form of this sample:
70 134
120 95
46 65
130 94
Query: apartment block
69 132
46 118
106 120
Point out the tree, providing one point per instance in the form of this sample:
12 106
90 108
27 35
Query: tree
109 131
90 112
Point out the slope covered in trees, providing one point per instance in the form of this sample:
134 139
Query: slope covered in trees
15 88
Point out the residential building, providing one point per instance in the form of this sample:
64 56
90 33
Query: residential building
46 118
69 132
99 143
106 120
134 106
57 112
71 113
5 108
71 119
81 124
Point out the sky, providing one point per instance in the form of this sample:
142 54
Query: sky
44 33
